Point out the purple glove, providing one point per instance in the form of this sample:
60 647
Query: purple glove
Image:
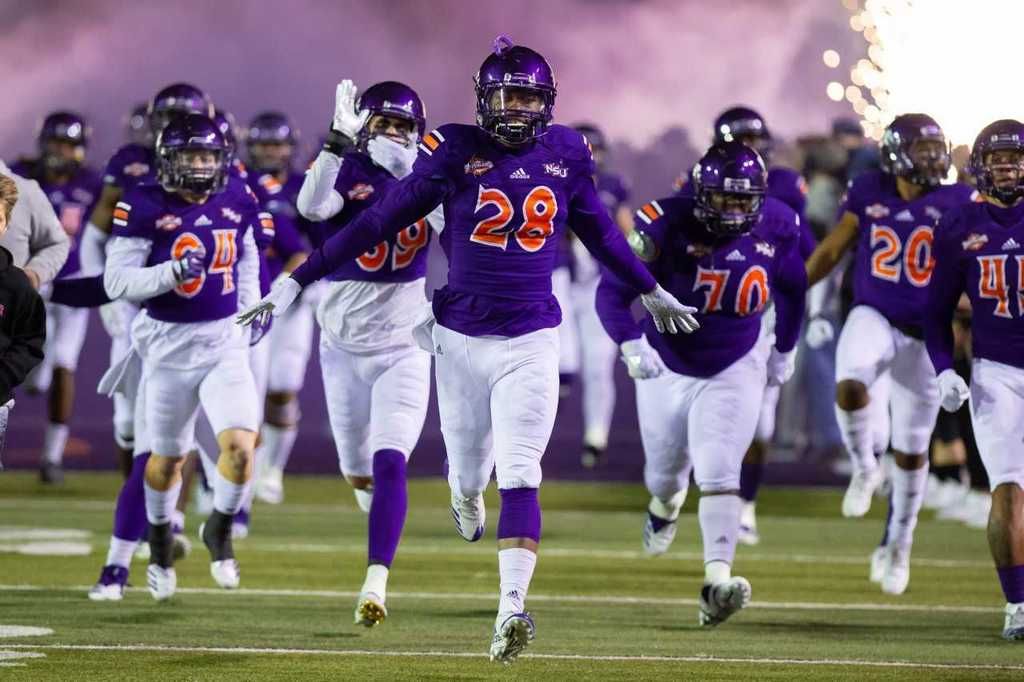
189 266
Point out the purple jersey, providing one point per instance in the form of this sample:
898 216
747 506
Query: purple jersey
730 281
130 165
403 258
893 262
278 199
72 201
979 250
789 187
612 189
175 227
506 209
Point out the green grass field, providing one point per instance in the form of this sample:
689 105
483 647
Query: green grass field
603 611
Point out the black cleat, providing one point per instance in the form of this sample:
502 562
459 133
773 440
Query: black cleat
591 457
51 474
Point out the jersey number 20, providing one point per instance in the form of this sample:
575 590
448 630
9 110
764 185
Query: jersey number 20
916 262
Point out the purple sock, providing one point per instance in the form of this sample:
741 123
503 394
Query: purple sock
520 514
242 517
390 502
1012 580
657 523
750 480
130 513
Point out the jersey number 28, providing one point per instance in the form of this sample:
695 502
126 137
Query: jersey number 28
539 209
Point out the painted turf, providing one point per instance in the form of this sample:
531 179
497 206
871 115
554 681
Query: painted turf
607 600
550 657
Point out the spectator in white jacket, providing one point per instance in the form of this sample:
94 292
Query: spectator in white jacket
34 236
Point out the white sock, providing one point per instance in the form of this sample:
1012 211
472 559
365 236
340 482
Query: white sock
364 498
515 568
227 496
160 504
120 552
668 510
250 492
596 436
376 580
278 442
719 517
858 437
53 443
178 519
716 572
907 495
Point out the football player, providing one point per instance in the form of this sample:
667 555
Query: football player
131 164
72 188
728 251
186 246
136 126
746 125
979 251
376 378
510 187
597 351
890 216
271 140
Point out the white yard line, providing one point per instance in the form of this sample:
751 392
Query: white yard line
609 600
549 657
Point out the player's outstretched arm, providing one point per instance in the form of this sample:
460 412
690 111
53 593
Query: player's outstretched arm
831 249
91 249
944 290
590 222
317 199
405 203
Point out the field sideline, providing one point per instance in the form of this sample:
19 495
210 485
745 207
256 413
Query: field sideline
603 611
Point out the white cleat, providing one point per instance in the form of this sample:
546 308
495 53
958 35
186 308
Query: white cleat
110 586
748 534
239 531
657 542
979 505
1013 624
162 582
512 634
857 500
879 563
181 546
718 602
469 515
897 571
370 610
225 573
270 488
142 551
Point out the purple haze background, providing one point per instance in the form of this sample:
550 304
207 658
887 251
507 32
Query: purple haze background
639 69
653 74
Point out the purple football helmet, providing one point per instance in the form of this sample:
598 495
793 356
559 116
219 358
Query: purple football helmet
395 99
514 69
924 165
593 134
177 169
747 126
270 141
136 126
70 129
227 126
729 184
1002 179
176 100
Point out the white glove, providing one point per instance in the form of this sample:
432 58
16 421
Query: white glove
347 120
780 367
953 390
394 158
668 313
819 332
114 316
642 361
282 294
423 330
